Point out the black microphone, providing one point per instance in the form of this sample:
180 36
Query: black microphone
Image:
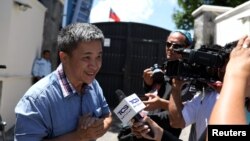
129 108
120 94
2 67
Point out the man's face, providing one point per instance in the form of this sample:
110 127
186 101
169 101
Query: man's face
84 62
174 40
47 55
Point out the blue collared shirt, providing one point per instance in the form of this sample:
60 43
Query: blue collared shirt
52 107
41 67
247 116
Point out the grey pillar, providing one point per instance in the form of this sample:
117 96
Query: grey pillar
204 25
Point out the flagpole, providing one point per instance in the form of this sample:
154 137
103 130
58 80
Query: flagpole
109 15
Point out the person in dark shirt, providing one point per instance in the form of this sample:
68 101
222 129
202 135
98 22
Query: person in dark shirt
176 40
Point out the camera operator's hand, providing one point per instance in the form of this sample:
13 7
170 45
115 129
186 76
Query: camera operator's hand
147 76
238 67
177 85
239 63
140 129
176 105
155 102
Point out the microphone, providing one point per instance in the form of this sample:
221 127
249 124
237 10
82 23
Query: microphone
2 67
130 108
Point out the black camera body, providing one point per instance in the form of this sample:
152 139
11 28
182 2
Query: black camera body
185 71
200 64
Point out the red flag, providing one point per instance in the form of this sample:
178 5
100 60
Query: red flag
113 16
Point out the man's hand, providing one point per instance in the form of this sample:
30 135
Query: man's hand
147 76
239 63
155 102
92 128
175 105
86 121
177 85
140 129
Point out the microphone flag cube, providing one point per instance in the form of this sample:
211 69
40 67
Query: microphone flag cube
128 108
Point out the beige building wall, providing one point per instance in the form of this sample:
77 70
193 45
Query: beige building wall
21 32
233 24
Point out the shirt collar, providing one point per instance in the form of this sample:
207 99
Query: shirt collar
66 86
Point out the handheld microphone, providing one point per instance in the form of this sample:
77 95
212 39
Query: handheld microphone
130 108
2 67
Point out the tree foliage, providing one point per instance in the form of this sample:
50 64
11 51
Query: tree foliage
183 18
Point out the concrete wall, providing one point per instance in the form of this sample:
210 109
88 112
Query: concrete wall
52 25
5 15
220 25
233 24
204 25
21 35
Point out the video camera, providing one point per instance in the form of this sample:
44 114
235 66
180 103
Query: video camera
199 64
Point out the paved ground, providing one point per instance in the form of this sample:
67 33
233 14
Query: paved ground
185 133
111 135
9 135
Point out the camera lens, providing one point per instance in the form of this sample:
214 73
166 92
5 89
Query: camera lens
158 75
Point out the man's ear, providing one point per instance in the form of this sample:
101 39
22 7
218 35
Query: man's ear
63 56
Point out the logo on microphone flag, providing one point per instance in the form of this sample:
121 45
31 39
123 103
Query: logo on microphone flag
128 108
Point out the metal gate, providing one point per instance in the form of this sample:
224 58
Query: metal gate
129 48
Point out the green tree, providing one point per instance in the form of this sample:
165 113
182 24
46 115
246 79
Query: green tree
183 18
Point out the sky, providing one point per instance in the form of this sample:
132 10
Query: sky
153 12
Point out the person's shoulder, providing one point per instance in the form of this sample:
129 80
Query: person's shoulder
95 86
43 87
211 92
95 83
195 99
38 60
211 95
34 92
43 60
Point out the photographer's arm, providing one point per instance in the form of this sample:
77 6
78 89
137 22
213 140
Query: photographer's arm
175 105
155 102
229 108
147 79
147 88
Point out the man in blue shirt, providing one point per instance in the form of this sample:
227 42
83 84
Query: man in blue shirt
68 104
41 66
